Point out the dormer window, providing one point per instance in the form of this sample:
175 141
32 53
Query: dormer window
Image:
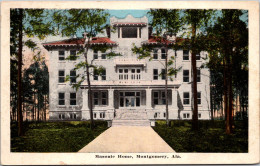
129 32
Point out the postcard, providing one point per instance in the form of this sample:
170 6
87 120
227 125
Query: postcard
129 82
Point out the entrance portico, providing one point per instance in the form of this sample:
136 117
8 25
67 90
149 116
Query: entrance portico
113 100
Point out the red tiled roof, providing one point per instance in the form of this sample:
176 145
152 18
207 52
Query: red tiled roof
80 41
101 40
158 40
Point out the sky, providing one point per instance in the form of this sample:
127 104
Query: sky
120 14
124 13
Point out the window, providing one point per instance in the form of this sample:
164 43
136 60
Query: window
163 74
186 116
120 74
186 76
73 55
138 75
164 114
137 99
185 54
104 98
186 98
73 116
140 32
125 74
199 97
61 76
61 99
133 74
102 115
129 32
198 56
95 75
73 76
61 55
121 99
199 115
95 98
104 55
155 98
198 75
156 114
129 73
103 74
155 74
61 116
155 54
95 54
163 54
73 99
163 97
95 115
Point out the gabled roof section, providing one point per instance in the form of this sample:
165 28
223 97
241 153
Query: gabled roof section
80 41
137 24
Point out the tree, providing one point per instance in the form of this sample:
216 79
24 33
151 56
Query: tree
229 36
36 86
165 22
196 20
30 22
89 22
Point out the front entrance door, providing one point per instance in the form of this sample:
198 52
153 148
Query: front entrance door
129 99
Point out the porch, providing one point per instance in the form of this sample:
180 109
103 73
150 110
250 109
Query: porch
139 103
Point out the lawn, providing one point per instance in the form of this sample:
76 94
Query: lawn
55 136
210 138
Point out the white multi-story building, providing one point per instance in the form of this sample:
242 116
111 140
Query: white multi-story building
129 88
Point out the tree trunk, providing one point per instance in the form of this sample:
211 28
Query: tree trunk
211 105
45 98
226 99
20 61
89 85
166 88
195 125
38 107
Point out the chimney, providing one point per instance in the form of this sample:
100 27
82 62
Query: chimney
108 31
150 31
85 35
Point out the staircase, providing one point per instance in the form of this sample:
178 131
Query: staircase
130 118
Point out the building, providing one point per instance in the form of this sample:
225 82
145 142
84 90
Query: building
129 88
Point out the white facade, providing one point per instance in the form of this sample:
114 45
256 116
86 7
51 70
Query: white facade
129 84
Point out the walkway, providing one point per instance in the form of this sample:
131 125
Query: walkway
128 139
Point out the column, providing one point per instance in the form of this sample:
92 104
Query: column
174 99
85 99
111 98
149 98
111 109
120 32
138 32
85 109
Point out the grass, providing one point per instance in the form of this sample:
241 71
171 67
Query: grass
55 136
210 138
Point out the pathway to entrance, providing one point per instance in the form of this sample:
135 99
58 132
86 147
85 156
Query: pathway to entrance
128 139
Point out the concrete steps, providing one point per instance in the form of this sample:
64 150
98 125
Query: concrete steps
130 123
131 115
131 118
